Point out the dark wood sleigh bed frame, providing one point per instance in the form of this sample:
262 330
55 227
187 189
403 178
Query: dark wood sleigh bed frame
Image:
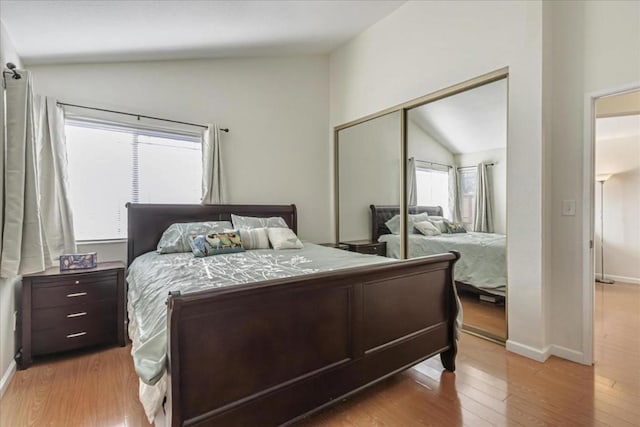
380 214
272 352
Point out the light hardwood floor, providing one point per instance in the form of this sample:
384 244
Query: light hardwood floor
490 386
485 316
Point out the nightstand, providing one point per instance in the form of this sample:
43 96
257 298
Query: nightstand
367 247
71 309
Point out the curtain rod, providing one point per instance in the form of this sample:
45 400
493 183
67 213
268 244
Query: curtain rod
138 115
473 167
432 163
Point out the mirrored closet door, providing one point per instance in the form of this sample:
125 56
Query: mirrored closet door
430 176
456 196
368 172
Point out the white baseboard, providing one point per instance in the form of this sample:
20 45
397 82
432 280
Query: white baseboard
567 353
623 279
6 378
536 354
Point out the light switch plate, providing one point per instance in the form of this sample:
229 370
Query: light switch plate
568 208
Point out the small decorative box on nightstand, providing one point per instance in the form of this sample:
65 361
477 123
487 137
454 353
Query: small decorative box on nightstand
71 309
367 247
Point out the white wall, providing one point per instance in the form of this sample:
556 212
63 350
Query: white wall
369 173
7 286
426 46
498 176
424 147
276 109
595 48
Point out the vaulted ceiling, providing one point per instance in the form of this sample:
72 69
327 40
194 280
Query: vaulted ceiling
96 31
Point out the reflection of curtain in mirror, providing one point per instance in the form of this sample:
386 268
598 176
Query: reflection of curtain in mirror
454 195
412 186
483 218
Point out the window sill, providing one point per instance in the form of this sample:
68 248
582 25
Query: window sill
100 242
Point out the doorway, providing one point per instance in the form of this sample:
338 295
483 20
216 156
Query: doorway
615 227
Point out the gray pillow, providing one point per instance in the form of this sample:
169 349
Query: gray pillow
176 238
250 222
254 238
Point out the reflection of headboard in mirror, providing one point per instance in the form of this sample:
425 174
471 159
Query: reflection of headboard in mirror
381 214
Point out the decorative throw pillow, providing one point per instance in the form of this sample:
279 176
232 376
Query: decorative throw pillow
284 238
176 238
216 243
427 228
456 228
255 238
440 225
249 222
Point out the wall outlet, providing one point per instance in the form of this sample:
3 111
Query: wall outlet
568 208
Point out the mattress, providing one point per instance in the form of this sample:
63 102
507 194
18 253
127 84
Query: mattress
483 261
151 276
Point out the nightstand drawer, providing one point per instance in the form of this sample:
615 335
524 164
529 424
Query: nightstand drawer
96 331
367 247
53 296
73 279
72 316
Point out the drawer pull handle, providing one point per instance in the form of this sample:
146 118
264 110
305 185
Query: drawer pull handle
79 334
77 282
82 313
78 294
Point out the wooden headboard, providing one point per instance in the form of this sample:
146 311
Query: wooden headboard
381 214
147 222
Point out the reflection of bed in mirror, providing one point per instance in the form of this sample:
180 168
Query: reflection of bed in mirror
481 269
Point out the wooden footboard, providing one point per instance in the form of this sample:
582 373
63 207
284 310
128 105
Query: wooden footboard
271 352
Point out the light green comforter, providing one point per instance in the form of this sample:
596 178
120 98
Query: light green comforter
151 276
483 261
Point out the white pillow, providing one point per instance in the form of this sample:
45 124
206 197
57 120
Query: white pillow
255 238
249 222
427 228
283 238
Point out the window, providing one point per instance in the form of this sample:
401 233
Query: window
433 188
468 196
112 164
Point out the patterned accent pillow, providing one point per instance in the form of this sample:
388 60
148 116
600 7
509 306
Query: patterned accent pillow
216 243
176 238
456 228
427 228
255 238
249 222
284 238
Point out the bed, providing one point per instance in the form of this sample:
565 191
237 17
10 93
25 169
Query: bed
269 352
482 267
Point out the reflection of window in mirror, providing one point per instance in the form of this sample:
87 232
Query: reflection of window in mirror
433 188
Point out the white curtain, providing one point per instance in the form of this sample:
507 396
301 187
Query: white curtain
412 185
483 218
53 183
212 176
455 195
35 161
